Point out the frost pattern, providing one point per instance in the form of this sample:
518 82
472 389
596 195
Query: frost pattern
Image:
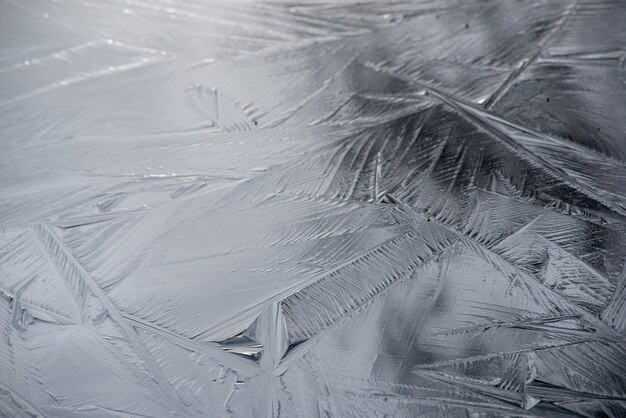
301 209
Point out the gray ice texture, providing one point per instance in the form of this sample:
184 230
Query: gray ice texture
277 208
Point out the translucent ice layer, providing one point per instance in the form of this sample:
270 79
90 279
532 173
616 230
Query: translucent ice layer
306 209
